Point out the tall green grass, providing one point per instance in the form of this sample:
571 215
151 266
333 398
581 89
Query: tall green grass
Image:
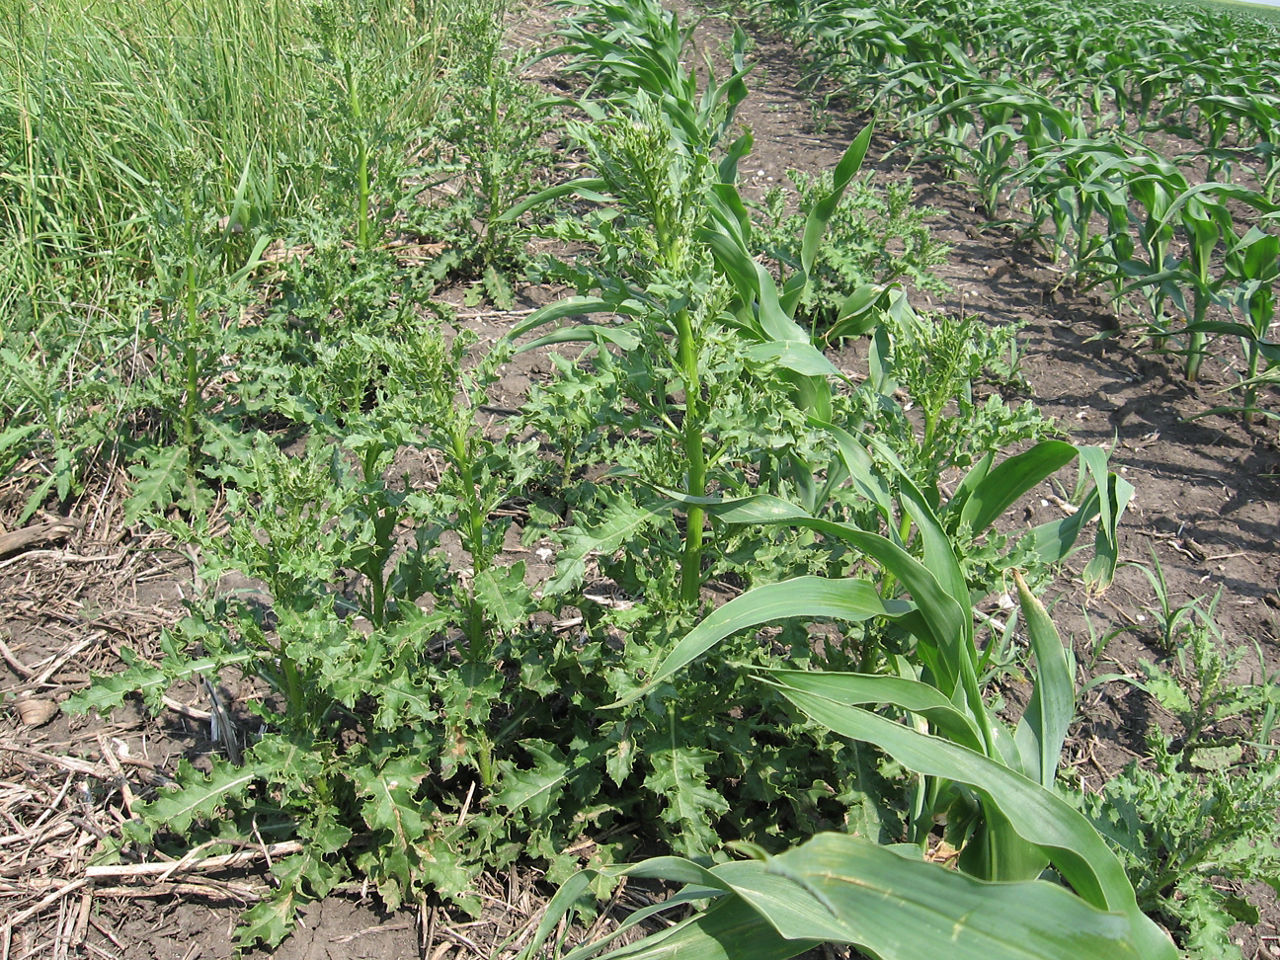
117 110
134 132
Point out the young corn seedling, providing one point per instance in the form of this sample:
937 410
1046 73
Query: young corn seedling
1072 184
1154 183
986 149
1205 222
1203 214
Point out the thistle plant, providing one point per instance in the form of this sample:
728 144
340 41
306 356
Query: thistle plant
1199 810
651 148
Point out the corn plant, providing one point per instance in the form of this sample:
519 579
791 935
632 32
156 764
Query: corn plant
1072 184
1155 184
983 118
995 785
1203 213
1238 107
1253 265
654 156
971 84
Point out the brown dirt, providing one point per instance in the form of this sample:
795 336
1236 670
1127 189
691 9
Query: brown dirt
1206 504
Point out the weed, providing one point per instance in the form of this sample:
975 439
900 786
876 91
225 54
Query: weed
874 236
1196 822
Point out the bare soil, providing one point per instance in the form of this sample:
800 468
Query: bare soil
1207 506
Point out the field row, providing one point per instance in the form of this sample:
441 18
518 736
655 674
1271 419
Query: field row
1136 143
230 319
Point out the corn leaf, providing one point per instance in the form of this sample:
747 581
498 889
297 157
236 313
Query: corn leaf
808 597
844 889
569 307
1043 727
857 689
1036 814
837 888
998 489
816 223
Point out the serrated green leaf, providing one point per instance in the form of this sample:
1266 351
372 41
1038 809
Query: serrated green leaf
197 795
158 479
442 869
504 596
621 518
107 692
391 803
679 775
270 921
622 757
290 763
534 789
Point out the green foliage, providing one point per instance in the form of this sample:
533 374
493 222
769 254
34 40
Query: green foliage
941 361
426 712
874 237
1044 112
131 234
1016 821
487 152
1195 823
840 889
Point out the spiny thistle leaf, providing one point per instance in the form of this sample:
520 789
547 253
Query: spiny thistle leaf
504 595
534 789
680 776
198 795
269 922
621 519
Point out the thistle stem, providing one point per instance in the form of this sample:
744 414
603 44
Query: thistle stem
473 537
695 455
